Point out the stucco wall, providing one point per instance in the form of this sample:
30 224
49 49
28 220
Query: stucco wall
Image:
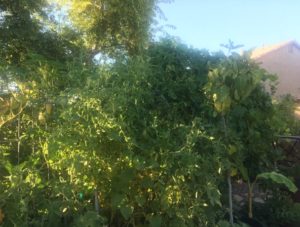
285 63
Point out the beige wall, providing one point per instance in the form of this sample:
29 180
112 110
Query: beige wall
285 62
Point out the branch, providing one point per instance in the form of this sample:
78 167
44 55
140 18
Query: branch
11 116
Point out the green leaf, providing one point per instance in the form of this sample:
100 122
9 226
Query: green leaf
279 179
223 224
236 95
126 211
155 221
89 219
116 199
232 149
243 170
140 200
214 195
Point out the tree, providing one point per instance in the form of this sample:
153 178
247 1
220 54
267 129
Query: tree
138 140
46 62
111 26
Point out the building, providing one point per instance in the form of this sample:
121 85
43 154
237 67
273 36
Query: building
283 60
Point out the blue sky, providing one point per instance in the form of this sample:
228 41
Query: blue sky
253 23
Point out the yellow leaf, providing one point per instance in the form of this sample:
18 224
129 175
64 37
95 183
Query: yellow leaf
42 118
232 149
233 172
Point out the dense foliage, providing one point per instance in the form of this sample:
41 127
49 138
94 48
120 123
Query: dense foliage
146 138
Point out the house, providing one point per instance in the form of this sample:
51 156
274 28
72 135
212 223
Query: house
283 60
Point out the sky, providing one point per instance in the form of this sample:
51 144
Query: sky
253 23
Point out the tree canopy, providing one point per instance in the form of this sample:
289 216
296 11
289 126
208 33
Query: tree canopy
146 138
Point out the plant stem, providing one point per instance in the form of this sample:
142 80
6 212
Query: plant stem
18 135
250 197
97 208
228 179
230 199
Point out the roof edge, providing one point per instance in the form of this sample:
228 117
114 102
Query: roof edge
260 52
